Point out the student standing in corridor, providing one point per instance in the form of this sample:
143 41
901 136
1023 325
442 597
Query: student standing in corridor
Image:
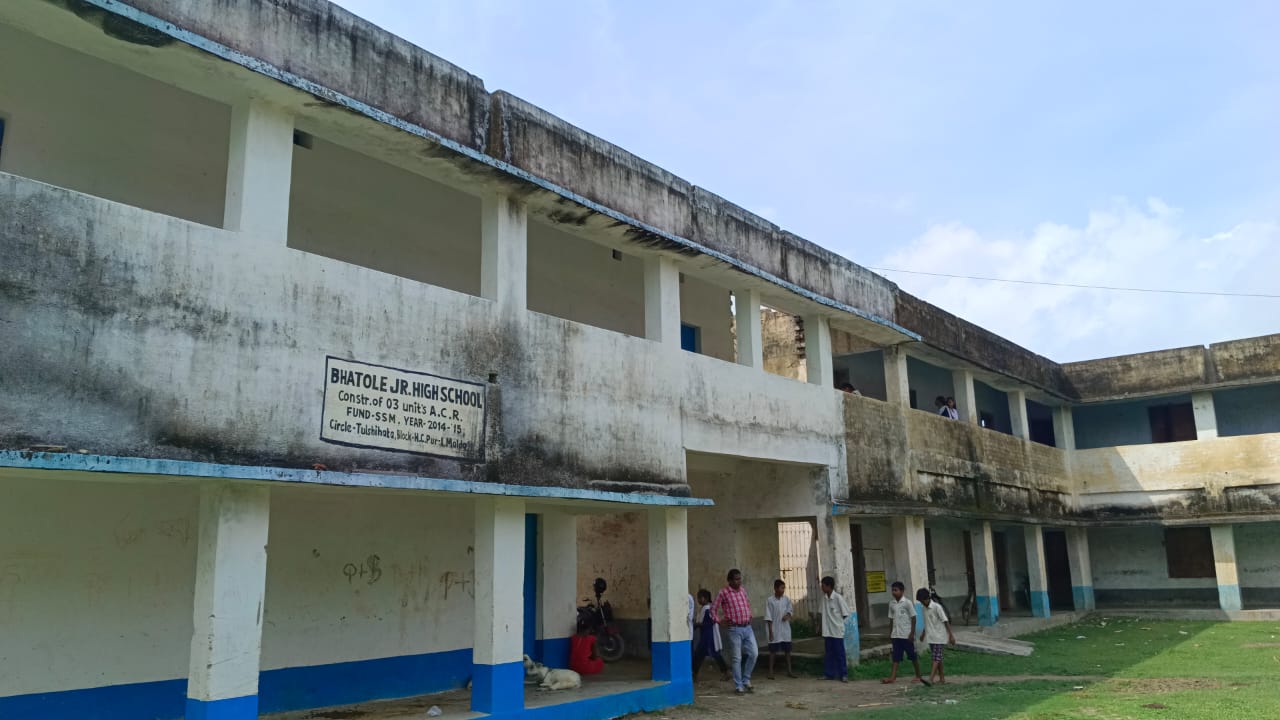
732 602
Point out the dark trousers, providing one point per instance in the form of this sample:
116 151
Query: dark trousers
701 653
834 664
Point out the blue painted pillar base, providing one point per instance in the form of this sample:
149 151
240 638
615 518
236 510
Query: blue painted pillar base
672 661
852 640
553 652
241 708
1229 598
1040 603
919 618
497 688
988 610
1082 597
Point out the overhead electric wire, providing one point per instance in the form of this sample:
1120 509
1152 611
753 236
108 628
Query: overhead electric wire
1081 286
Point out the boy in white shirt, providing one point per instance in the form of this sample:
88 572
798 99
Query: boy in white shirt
777 622
902 616
936 625
835 666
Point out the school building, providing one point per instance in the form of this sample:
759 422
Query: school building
329 375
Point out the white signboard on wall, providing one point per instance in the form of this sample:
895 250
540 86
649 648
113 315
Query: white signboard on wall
385 408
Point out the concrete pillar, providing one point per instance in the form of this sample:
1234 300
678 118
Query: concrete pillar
910 559
1081 569
746 309
231 578
497 668
259 171
504 253
1224 561
1206 418
1037 574
962 390
835 558
1064 428
986 582
897 385
557 586
1018 414
661 300
817 350
669 599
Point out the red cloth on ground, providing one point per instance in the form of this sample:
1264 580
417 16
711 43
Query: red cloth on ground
580 660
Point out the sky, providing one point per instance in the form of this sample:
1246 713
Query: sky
1127 144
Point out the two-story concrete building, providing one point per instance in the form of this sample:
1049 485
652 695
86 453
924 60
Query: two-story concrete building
328 375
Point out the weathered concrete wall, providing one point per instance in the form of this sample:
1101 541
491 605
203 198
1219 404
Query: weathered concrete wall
783 337
616 547
537 141
363 575
103 595
1118 423
324 43
106 131
981 347
1161 371
1258 556
1249 360
176 340
1134 570
577 280
347 206
1248 410
1201 478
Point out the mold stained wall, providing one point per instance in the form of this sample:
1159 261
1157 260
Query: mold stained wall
94 127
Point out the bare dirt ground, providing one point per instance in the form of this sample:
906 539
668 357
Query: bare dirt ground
807 697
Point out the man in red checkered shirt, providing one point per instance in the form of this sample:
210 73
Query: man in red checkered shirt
733 606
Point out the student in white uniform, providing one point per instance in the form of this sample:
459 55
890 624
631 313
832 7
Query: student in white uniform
777 622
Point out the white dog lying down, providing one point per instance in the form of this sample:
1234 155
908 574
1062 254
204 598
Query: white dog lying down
550 678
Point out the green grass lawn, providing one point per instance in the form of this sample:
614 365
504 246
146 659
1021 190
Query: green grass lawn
1149 669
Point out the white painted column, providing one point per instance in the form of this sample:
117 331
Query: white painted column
1224 561
746 308
1037 573
1081 568
910 559
1064 428
231 577
504 253
557 585
497 668
966 400
661 300
1206 417
1018 414
897 384
986 577
259 171
835 558
817 350
671 653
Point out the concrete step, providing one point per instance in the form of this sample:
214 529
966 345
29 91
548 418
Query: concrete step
977 642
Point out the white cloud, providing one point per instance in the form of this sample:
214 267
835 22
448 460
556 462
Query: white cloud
1123 245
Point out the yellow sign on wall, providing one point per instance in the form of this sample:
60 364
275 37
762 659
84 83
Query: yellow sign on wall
876 582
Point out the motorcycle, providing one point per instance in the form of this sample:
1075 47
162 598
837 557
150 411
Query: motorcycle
597 619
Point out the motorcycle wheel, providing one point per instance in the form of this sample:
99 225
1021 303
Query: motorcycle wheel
610 647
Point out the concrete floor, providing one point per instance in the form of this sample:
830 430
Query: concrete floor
617 677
